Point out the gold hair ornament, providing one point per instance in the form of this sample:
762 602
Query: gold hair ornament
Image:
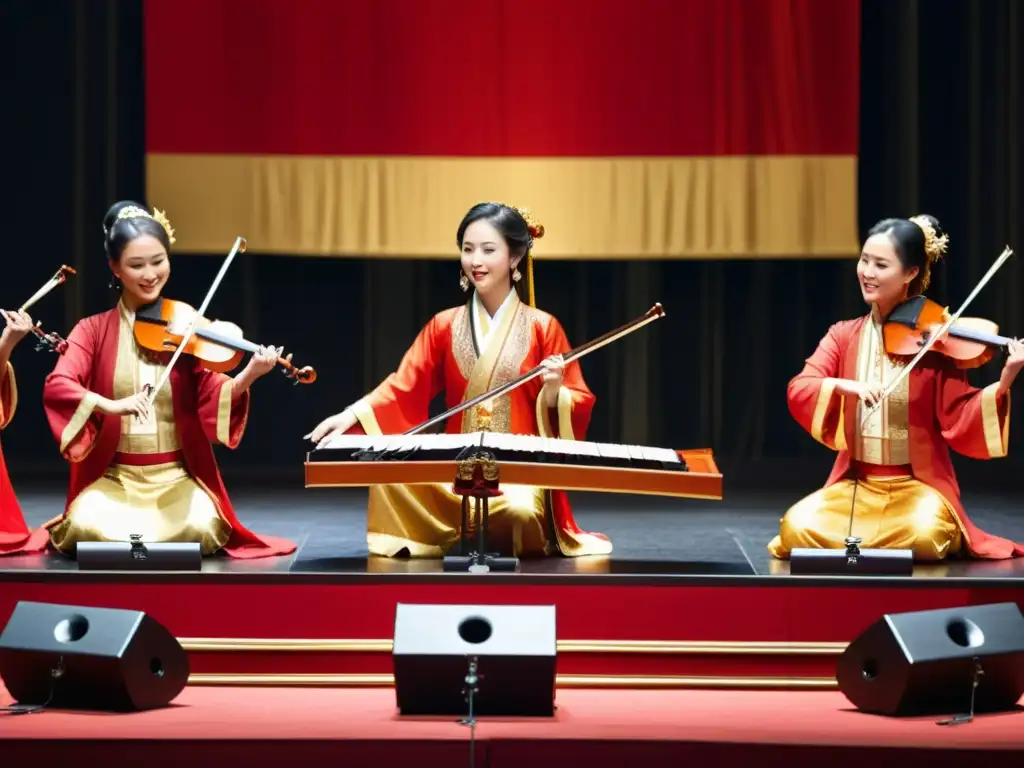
934 246
536 230
134 212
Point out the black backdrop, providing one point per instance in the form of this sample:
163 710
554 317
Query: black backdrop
941 96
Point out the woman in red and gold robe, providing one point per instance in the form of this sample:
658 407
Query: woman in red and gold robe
136 468
464 352
893 470
14 534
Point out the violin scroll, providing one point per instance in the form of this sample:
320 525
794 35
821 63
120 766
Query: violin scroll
49 342
304 375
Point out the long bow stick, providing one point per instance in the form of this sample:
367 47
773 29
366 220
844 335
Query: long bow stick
58 278
239 247
933 337
654 313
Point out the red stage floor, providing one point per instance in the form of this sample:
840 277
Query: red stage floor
271 726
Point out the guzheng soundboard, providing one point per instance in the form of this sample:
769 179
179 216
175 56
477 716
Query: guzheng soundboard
571 465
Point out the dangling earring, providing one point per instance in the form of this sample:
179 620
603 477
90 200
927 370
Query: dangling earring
463 282
516 277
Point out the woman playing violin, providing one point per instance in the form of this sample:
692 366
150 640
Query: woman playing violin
464 352
893 469
140 464
14 534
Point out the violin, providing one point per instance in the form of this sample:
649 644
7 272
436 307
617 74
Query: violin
911 329
969 341
163 326
52 341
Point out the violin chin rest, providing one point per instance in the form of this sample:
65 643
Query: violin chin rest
225 327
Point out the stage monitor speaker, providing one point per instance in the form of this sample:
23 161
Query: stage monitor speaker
135 555
76 657
515 653
925 662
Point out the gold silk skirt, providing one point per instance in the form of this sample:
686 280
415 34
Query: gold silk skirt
890 513
160 501
423 521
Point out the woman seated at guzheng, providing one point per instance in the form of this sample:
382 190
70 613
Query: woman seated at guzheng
464 352
138 468
896 467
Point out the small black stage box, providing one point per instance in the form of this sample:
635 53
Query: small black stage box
77 657
504 654
135 555
954 660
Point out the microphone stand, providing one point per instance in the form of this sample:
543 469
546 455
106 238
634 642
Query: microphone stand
471 680
57 672
853 542
975 681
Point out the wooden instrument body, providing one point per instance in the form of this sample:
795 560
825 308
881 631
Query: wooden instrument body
702 481
162 326
218 344
970 341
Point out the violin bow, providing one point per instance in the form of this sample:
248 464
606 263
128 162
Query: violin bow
932 338
238 247
654 313
59 277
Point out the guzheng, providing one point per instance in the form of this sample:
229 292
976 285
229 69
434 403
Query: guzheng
571 465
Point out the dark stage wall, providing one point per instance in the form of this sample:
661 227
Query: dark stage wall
940 116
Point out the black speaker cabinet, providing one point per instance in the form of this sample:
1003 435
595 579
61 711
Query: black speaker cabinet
924 662
75 657
513 645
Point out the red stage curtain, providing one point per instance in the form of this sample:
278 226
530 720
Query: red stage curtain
632 128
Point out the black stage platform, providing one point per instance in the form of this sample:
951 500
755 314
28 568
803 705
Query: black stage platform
653 536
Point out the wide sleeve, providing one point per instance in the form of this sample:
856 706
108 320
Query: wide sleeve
69 404
222 413
974 422
812 397
8 395
570 418
402 400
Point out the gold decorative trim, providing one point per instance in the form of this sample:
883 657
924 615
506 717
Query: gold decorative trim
11 382
561 681
703 647
364 414
224 413
78 419
827 389
997 433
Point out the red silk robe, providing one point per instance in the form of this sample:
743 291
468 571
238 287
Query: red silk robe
204 413
938 408
444 358
14 534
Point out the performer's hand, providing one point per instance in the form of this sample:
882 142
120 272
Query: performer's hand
134 405
870 395
1012 366
338 424
553 375
1015 358
263 361
17 326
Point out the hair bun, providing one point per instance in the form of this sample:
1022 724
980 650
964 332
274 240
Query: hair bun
935 241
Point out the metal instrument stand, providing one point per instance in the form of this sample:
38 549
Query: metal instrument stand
477 478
